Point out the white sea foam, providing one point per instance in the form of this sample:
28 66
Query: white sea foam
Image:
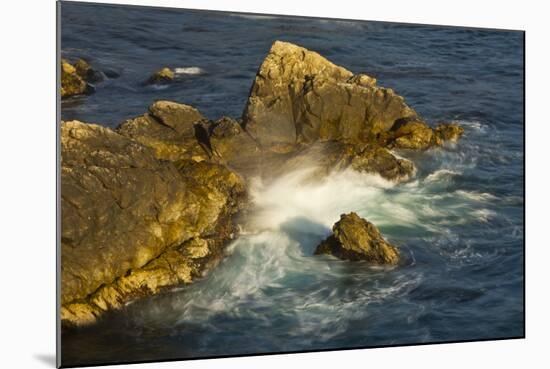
189 71
271 269
476 196
441 174
483 215
473 125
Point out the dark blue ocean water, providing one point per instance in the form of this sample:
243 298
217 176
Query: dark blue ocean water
458 223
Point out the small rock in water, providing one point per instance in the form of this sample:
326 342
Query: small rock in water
86 72
354 238
71 82
164 75
76 79
448 132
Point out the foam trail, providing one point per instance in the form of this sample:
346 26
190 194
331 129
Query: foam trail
189 71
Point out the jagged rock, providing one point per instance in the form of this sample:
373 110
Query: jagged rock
72 82
133 224
413 134
335 156
379 160
355 238
417 135
234 146
448 132
174 131
164 75
300 97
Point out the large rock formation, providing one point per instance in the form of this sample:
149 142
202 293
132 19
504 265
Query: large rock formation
355 238
300 97
151 204
133 224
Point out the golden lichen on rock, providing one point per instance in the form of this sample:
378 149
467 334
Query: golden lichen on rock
127 218
298 96
72 82
169 129
152 204
163 75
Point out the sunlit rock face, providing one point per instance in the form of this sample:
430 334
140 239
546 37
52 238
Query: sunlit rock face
355 238
170 129
152 204
72 82
133 224
299 96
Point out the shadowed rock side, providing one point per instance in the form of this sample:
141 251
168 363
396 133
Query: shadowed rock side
355 238
132 224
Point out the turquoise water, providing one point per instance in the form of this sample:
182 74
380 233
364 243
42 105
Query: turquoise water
458 223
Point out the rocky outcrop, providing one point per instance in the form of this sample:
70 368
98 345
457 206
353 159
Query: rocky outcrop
233 146
72 83
332 156
414 134
300 97
152 204
164 75
379 160
174 131
76 79
448 132
133 224
355 238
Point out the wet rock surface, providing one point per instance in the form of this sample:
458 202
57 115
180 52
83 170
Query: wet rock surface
354 238
161 76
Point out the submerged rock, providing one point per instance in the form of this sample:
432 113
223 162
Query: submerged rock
300 97
164 75
133 224
72 83
355 238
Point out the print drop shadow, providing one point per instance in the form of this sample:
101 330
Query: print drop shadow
306 233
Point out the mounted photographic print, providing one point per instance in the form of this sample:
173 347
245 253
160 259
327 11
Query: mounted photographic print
242 184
